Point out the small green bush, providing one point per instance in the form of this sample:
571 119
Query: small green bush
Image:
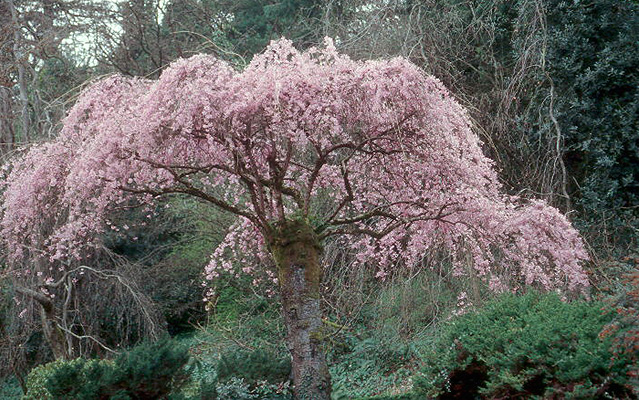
10 388
406 396
71 371
152 370
147 371
254 365
237 389
532 346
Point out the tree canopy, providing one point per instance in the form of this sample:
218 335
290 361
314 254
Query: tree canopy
377 151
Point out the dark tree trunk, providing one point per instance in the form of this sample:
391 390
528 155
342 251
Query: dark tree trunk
52 332
296 251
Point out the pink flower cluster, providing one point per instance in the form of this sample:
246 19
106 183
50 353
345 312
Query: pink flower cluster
375 152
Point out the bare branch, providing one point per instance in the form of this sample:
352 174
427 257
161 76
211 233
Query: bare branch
99 343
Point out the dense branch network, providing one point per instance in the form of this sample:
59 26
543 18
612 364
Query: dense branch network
377 152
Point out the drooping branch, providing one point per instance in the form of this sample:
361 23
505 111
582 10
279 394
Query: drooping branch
347 226
195 192
42 299
90 337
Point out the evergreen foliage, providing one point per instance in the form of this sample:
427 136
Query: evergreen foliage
256 22
253 366
594 62
148 371
624 329
588 80
66 373
534 346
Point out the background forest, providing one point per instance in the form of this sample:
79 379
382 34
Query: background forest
552 88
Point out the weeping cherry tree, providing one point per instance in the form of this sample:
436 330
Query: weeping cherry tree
302 147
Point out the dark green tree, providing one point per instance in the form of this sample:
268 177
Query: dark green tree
147 371
254 23
593 60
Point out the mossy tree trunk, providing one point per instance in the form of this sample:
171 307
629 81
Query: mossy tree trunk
296 251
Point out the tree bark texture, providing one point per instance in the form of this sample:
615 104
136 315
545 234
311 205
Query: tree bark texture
296 250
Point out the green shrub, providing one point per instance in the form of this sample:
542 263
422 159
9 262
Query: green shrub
253 366
151 370
529 346
10 388
406 396
147 371
237 389
71 372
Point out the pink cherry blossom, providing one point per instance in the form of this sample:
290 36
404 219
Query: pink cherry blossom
376 153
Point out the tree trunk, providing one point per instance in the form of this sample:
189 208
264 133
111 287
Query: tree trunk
296 251
52 332
20 59
6 118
